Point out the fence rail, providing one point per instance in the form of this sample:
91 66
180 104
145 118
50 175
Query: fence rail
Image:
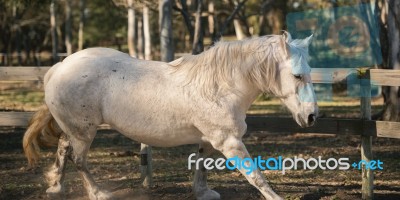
23 73
271 124
318 75
380 77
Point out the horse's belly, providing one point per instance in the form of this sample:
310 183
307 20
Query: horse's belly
157 135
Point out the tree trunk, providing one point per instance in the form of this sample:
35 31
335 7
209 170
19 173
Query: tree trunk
239 30
18 39
262 22
131 29
140 46
146 33
68 31
382 13
198 46
186 17
241 22
82 6
54 37
275 20
211 19
229 20
272 18
392 108
166 39
5 38
18 35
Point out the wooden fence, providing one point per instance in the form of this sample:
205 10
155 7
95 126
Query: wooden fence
365 127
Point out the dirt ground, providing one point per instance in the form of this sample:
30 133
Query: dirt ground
114 163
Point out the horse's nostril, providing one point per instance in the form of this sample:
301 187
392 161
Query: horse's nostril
311 118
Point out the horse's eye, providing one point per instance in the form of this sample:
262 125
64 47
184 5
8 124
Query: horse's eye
298 76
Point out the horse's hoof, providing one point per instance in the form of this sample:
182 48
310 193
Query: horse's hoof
208 195
101 195
55 192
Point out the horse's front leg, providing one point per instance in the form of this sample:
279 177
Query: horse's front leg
200 176
232 146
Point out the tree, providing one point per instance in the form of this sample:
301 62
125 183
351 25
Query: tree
140 41
82 7
166 39
182 7
240 34
131 29
388 12
240 23
68 27
211 19
146 33
392 107
265 7
198 46
54 36
272 17
231 17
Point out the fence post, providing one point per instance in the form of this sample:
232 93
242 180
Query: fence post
146 168
366 141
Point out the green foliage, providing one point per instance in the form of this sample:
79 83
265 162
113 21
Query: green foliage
25 24
105 23
23 18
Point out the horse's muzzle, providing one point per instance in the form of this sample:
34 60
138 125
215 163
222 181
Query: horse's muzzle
311 119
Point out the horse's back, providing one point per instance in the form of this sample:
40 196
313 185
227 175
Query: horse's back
106 81
103 61
98 52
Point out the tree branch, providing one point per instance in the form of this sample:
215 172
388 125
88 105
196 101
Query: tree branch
198 46
230 19
186 17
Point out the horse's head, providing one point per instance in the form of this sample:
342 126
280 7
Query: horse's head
295 88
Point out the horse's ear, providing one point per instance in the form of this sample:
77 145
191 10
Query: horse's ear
284 43
287 37
309 39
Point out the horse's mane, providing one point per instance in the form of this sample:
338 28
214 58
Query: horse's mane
213 71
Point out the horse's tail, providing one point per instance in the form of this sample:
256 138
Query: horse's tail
43 130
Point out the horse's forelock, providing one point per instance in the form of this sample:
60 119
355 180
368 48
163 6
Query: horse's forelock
298 55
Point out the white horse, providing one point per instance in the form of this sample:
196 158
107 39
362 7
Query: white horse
197 99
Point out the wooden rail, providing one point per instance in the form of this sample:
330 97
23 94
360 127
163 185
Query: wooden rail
22 73
271 124
318 75
377 76
325 126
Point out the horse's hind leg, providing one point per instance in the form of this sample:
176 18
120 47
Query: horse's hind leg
56 173
80 147
200 176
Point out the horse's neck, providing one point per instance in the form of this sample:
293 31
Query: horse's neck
249 90
245 94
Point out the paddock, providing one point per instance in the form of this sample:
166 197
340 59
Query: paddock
115 160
